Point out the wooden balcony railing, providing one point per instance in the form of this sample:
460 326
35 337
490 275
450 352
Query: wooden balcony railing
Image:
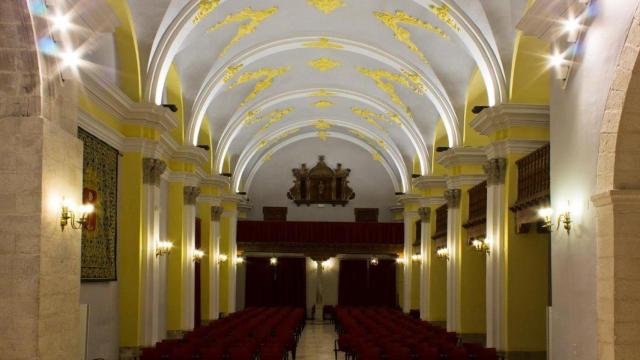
476 225
533 187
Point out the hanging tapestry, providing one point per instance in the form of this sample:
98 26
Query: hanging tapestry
99 188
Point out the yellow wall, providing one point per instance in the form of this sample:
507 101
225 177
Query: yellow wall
204 213
224 267
128 58
439 139
438 294
529 72
175 232
174 96
476 96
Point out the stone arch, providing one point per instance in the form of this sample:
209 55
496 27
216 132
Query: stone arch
618 208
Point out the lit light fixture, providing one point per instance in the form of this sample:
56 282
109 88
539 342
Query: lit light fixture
68 216
564 218
572 28
416 258
443 253
561 65
198 255
481 246
327 264
70 58
374 261
273 261
239 260
400 260
163 248
61 22
222 258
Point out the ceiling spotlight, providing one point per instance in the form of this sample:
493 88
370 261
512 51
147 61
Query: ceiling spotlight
70 58
61 22
561 65
572 28
556 60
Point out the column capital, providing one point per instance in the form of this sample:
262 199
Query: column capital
453 198
216 213
496 170
152 169
425 214
191 194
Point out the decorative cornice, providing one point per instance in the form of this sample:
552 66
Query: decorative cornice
408 199
396 210
458 181
432 200
453 198
187 178
462 156
425 214
152 169
617 197
430 182
191 194
191 154
504 148
245 206
496 170
114 101
216 213
216 181
504 116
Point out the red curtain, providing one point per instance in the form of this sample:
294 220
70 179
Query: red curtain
363 284
319 232
282 285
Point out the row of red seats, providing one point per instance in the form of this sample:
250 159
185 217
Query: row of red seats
383 333
255 333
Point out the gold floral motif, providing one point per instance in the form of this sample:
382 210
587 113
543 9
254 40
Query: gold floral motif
393 22
324 64
252 117
254 17
267 157
407 79
275 117
322 43
205 8
323 104
323 125
376 156
323 135
326 6
375 119
232 70
369 140
442 12
322 93
276 138
266 74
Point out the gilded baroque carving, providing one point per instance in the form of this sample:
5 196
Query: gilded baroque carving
205 8
323 104
376 156
266 74
272 118
277 138
216 213
453 198
253 19
326 6
323 125
381 143
191 194
496 170
323 135
152 169
322 93
393 22
231 72
425 214
321 185
442 12
267 157
324 64
322 43
385 79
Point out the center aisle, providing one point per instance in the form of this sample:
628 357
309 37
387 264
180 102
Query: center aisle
316 342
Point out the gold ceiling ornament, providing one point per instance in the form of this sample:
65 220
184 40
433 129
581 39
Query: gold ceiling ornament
275 117
323 125
252 117
254 18
407 79
393 22
322 43
266 74
326 6
262 144
232 70
205 8
323 135
267 157
375 119
323 104
324 64
442 12
276 138
376 156
368 140
322 93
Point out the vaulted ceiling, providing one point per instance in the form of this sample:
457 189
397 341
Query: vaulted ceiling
376 74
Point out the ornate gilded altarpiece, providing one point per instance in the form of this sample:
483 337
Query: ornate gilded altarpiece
321 185
99 187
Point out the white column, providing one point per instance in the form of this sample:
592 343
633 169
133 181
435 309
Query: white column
453 267
495 282
319 296
425 256
409 221
188 271
152 170
214 263
233 251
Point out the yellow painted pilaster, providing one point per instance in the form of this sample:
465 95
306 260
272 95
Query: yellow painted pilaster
438 293
204 213
175 267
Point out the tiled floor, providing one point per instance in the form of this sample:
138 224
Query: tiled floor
316 342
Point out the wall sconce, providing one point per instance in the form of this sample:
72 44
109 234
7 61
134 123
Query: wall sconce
239 260
443 253
163 248
481 246
374 261
222 258
564 218
273 261
400 260
68 216
327 264
198 255
416 257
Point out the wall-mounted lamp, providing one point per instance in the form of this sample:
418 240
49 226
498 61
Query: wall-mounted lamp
163 248
327 264
273 261
564 218
239 260
400 260
68 216
374 261
416 258
480 245
443 253
198 255
222 258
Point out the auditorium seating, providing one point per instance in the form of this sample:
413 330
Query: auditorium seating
255 333
388 334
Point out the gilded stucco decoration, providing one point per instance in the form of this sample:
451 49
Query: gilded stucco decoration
322 43
326 6
267 157
324 64
376 156
393 22
270 119
266 74
323 125
442 12
375 119
253 19
407 79
381 143
322 93
323 104
231 72
323 135
277 138
205 8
